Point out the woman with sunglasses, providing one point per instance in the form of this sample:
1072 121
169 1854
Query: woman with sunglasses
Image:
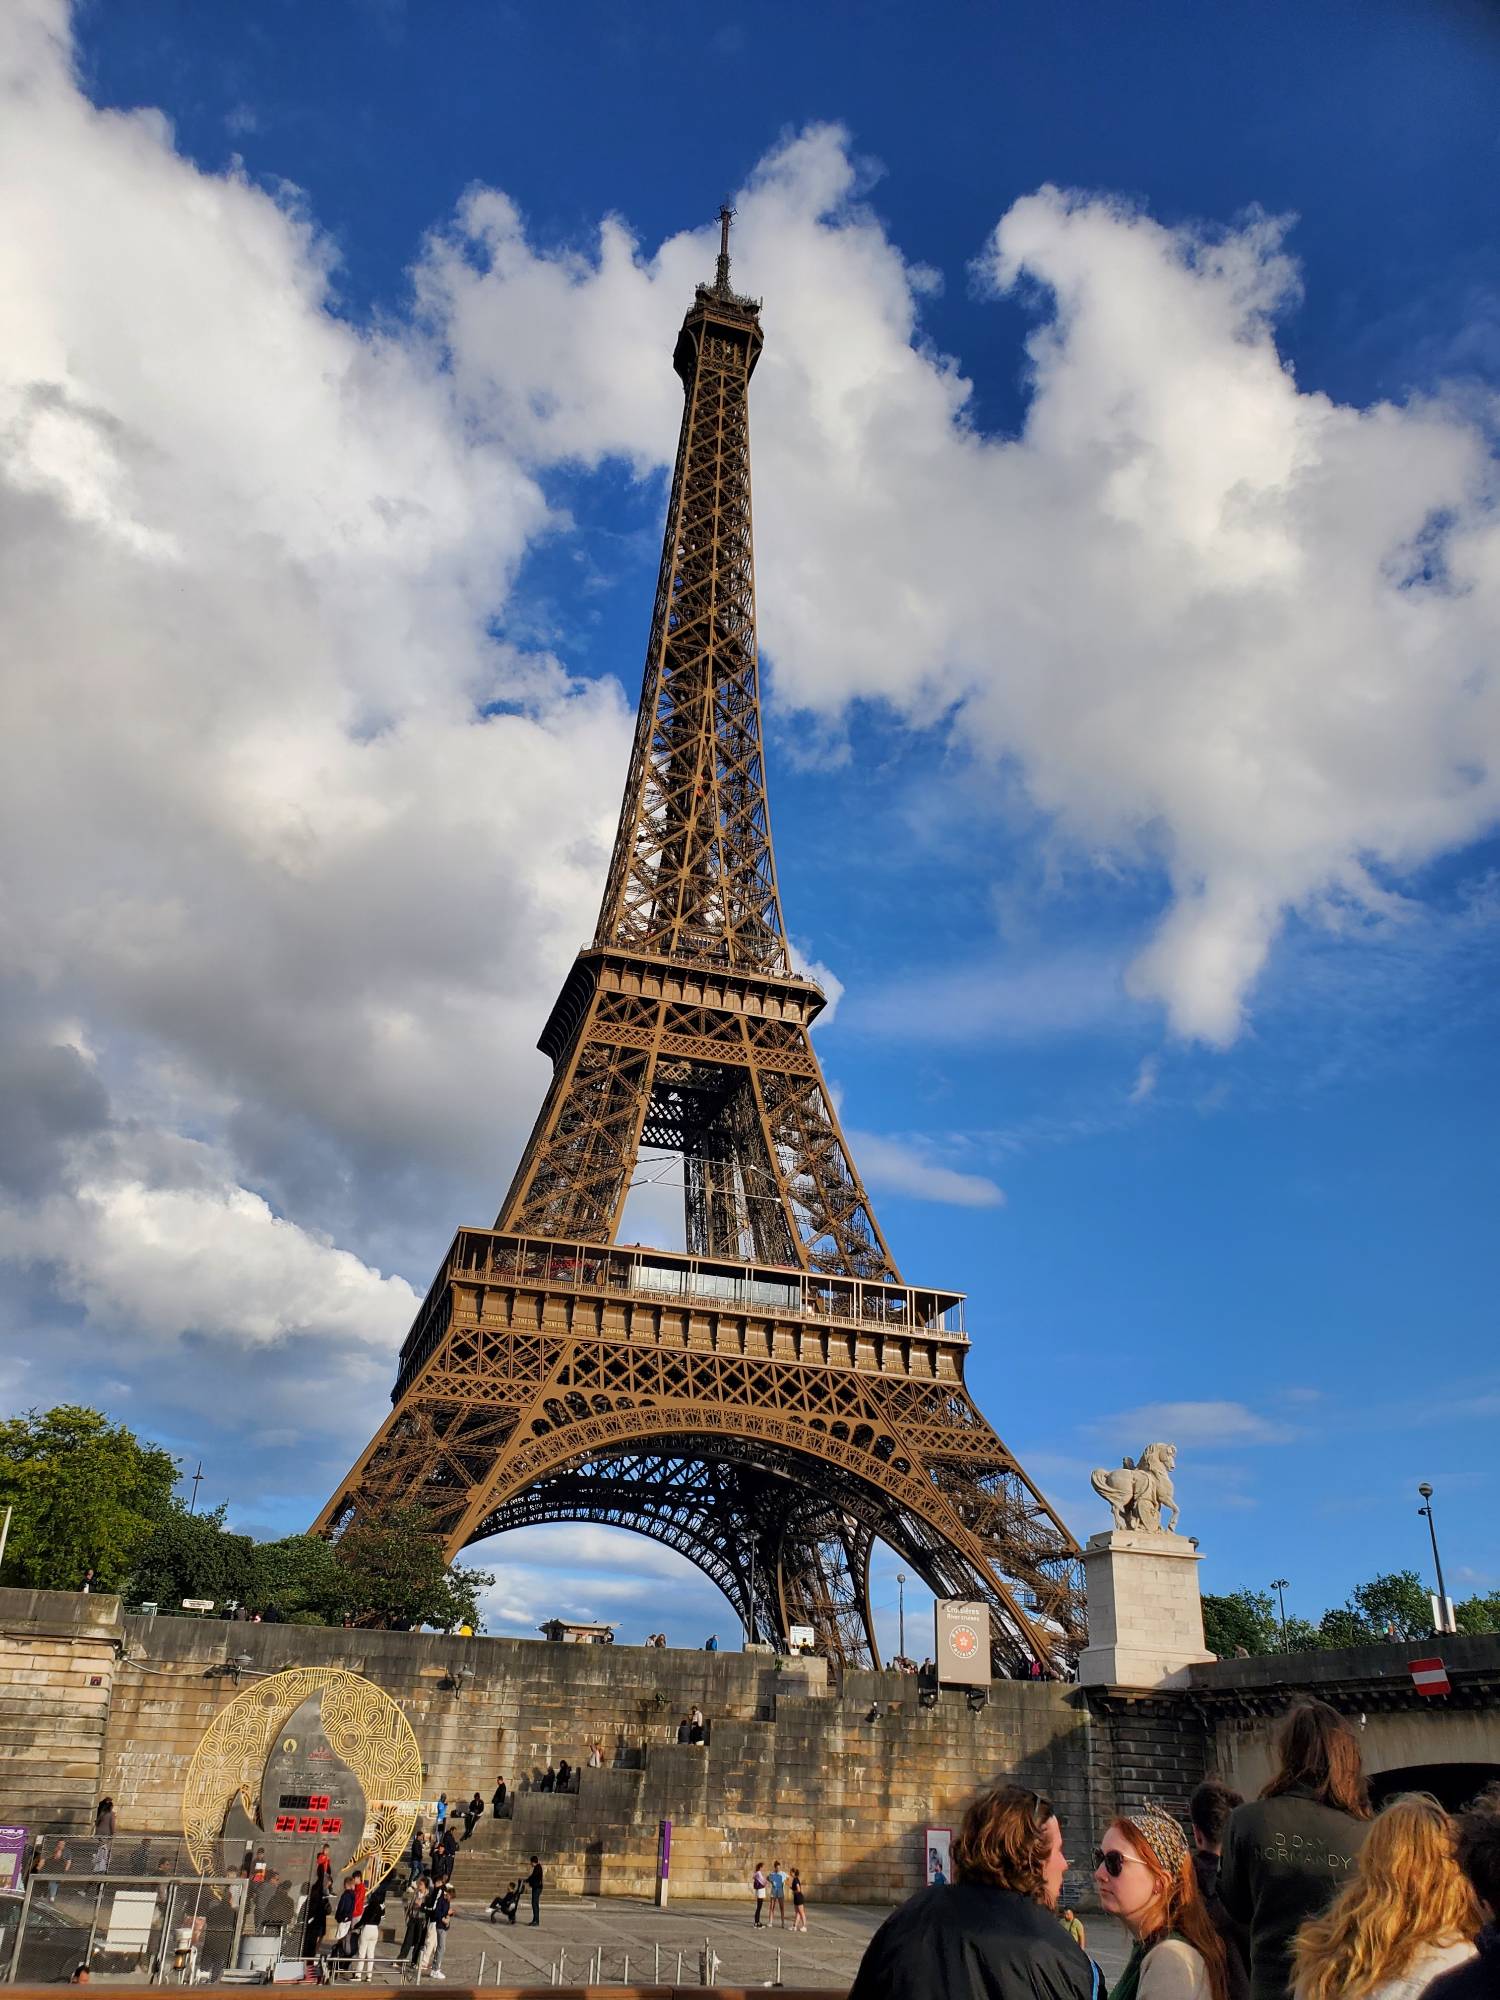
1407 1914
1144 1875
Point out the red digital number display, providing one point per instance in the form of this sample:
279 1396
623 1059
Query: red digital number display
309 1823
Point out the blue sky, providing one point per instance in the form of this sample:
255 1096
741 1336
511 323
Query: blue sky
1129 590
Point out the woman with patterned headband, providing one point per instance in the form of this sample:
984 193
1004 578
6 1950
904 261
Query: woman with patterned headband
1143 1872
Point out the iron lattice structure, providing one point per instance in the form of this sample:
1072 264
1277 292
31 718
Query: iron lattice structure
773 1400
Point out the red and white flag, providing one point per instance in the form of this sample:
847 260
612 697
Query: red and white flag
1429 1677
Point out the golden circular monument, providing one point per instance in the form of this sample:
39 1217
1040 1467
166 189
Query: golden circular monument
312 1756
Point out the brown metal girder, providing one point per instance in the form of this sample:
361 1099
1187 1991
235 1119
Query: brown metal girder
524 1459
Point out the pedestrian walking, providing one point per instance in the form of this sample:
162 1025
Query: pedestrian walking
1208 1810
758 1886
1479 1857
435 1943
799 1901
414 1904
315 1922
104 1833
534 1884
1408 1913
497 1799
776 1885
1289 1852
1143 1872
994 1932
473 1813
1072 1923
367 1932
416 1856
441 1815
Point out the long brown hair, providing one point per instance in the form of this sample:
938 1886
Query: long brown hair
1407 1891
1318 1752
1178 1910
1004 1840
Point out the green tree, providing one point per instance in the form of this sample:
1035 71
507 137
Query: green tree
1343 1626
1478 1614
192 1555
1241 1618
1394 1606
1302 1636
398 1575
87 1494
300 1578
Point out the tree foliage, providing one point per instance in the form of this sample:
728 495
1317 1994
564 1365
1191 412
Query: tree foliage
1241 1619
1478 1614
1395 1606
87 1495
191 1555
398 1575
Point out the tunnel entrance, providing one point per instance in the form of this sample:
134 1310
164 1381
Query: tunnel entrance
1452 1785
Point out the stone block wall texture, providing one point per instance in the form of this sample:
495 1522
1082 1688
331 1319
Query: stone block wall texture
58 1658
847 1794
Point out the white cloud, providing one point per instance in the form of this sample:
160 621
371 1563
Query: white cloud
1146 1079
1195 1424
907 1166
1224 626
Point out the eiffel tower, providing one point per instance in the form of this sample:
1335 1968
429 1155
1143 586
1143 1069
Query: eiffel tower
774 1399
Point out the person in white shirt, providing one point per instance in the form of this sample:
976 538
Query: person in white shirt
1407 1913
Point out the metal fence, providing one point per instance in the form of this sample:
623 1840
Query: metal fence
161 1928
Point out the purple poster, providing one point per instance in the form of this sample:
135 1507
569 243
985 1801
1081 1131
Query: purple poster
12 1859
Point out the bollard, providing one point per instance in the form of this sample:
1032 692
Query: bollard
679 1968
778 1965
480 1980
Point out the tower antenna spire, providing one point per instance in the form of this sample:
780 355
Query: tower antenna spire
721 270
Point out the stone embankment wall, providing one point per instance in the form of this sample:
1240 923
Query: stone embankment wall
58 1653
847 1792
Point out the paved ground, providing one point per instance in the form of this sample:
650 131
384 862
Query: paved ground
573 1929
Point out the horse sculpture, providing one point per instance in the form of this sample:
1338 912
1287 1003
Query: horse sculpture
1138 1493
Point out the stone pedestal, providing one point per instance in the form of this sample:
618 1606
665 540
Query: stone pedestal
1145 1614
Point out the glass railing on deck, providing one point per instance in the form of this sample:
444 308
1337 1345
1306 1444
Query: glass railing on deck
663 1274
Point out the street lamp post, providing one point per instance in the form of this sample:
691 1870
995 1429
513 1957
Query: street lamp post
1441 1621
901 1612
1279 1584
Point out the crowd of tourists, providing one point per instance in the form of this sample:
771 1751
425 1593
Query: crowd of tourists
1301 1894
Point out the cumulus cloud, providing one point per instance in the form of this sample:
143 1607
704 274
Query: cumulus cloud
1227 628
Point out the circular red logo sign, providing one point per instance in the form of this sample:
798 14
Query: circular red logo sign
964 1640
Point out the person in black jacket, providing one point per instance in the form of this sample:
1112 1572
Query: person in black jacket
1289 1852
534 1884
993 1934
1479 1858
1209 1809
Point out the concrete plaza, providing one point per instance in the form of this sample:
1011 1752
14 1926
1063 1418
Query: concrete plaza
573 1929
